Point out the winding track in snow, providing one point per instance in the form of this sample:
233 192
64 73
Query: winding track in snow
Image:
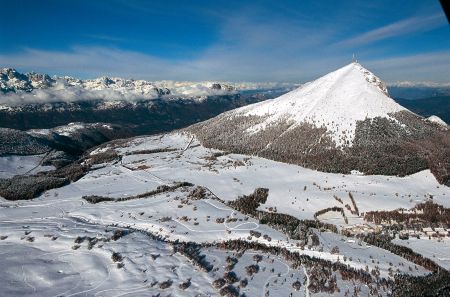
24 278
273 276
307 282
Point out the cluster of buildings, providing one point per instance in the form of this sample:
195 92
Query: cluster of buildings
419 232
426 232
361 229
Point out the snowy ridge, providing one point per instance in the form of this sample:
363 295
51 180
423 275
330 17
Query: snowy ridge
335 101
69 129
17 88
437 120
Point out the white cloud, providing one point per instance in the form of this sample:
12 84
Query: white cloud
70 94
400 28
416 68
419 84
218 64
97 61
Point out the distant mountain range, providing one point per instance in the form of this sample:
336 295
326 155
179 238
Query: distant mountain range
409 90
33 88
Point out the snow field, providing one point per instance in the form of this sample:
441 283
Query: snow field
172 215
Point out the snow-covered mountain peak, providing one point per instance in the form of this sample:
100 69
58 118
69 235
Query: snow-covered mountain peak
370 77
335 101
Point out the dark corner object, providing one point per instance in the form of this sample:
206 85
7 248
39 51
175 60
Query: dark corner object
446 7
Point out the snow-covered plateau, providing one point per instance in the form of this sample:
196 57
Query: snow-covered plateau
160 220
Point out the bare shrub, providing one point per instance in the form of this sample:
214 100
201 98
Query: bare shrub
116 257
252 269
166 284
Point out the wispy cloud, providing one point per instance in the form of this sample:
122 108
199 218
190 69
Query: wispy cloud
105 37
400 28
251 46
241 53
426 66
93 61
219 64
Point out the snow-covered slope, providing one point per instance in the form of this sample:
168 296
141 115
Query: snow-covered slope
437 120
61 242
337 101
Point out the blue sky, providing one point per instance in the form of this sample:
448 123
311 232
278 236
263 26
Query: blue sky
291 41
